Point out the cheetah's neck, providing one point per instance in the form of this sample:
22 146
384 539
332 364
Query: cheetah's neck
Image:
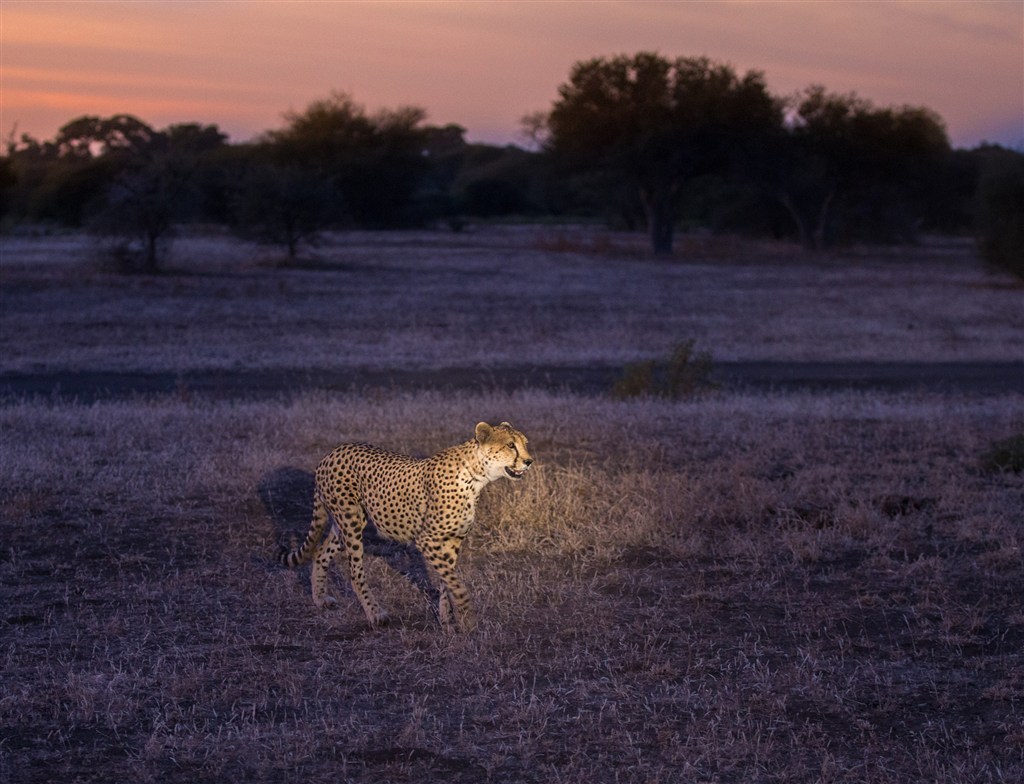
472 472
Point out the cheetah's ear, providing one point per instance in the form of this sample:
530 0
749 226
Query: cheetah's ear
483 432
506 424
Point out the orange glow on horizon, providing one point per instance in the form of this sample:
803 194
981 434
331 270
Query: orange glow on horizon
484 65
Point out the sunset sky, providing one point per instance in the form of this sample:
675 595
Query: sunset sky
484 65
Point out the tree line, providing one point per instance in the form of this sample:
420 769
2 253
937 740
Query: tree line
638 141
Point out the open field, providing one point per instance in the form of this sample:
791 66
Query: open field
735 587
506 296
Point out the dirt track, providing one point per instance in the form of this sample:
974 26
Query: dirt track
964 377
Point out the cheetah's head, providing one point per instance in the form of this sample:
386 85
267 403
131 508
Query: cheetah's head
504 450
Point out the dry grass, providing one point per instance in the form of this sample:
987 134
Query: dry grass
733 589
496 297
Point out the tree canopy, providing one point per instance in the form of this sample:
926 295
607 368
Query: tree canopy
873 162
375 162
657 123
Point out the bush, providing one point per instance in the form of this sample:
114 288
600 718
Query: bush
686 373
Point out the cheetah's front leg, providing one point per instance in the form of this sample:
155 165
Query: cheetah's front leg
454 599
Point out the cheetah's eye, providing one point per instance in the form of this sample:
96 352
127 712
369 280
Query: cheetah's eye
511 444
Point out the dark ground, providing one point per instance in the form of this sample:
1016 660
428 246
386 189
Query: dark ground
967 377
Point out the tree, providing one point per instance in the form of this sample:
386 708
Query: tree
445 151
140 208
657 123
841 156
91 137
8 179
374 162
152 182
1000 208
194 138
496 181
112 173
280 205
65 178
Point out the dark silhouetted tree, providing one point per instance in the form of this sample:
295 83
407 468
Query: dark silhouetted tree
1000 208
656 123
846 166
497 181
281 205
91 137
140 208
374 162
194 138
61 179
98 169
8 179
153 186
445 151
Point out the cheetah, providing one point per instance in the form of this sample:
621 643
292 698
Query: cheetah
430 502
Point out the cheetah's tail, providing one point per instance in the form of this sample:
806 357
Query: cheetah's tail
290 556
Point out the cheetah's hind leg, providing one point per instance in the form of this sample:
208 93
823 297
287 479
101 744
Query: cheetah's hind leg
352 522
328 550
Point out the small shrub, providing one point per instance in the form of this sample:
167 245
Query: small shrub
1005 455
686 373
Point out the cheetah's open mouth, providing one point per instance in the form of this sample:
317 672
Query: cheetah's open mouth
513 474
